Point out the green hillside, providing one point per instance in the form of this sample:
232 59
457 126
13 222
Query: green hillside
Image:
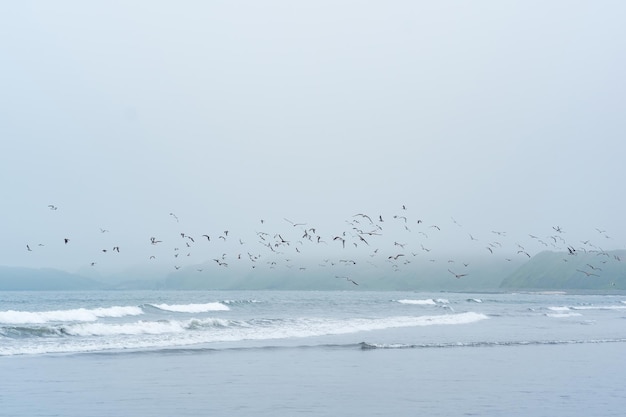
558 270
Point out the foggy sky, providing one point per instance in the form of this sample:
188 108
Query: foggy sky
505 116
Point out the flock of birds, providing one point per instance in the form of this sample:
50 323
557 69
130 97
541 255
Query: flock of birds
396 242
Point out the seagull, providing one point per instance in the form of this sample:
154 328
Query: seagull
208 237
52 207
588 273
294 224
364 216
457 275
347 278
66 240
29 249
343 241
174 216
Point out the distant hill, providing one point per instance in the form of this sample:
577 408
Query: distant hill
603 271
24 279
482 275
559 270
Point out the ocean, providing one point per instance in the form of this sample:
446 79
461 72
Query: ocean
288 353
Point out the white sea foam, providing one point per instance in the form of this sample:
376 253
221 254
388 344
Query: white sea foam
559 308
146 327
136 328
73 315
602 307
192 308
563 315
85 337
428 301
241 301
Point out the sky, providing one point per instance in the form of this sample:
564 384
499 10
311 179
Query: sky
477 117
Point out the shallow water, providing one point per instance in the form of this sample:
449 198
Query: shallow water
533 355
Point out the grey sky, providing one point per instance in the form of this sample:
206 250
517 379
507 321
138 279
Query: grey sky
501 115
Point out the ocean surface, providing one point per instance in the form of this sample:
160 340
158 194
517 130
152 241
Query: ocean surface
280 353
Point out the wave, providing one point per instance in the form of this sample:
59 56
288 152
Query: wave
241 301
191 308
559 308
146 327
17 332
587 307
72 315
601 307
563 315
90 337
269 328
428 301
368 345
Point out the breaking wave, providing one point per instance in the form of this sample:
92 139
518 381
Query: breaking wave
72 315
367 345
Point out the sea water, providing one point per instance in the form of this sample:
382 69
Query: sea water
280 353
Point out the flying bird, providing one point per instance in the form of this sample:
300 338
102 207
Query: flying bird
294 224
364 216
347 278
343 241
456 275
588 273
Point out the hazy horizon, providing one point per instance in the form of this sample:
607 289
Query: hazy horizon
478 118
